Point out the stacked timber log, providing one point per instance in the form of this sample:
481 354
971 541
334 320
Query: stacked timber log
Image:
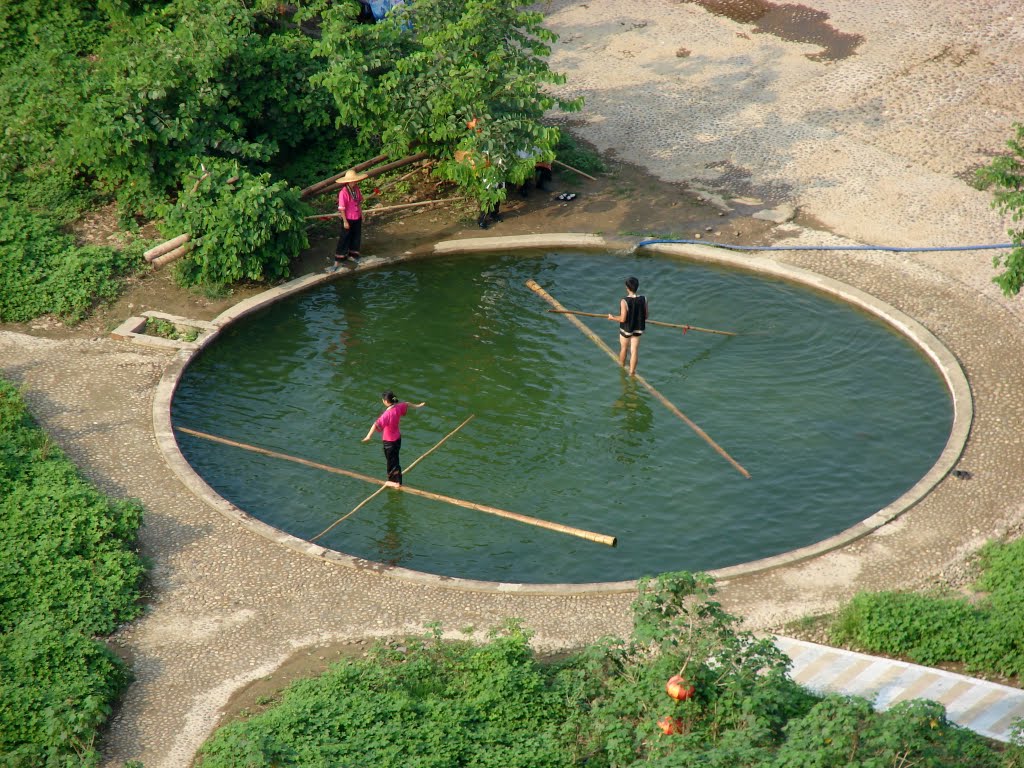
168 251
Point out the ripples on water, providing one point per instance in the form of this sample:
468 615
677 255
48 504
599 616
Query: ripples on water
832 414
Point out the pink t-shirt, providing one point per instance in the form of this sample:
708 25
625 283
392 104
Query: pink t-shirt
388 421
350 202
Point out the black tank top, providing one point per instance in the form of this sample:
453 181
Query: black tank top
636 314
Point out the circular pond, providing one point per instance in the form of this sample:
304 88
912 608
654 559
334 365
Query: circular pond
832 414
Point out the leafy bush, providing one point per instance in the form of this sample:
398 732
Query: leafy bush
67 574
571 153
987 636
1006 174
431 703
446 76
195 78
42 271
248 229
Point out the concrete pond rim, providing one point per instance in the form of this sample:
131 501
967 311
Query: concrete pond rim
940 356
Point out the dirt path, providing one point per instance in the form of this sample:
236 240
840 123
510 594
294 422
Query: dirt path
870 147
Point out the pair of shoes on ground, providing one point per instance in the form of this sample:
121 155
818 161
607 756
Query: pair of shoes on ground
566 196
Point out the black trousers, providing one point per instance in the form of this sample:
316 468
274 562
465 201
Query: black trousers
391 450
350 239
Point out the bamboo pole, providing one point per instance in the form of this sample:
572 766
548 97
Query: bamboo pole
397 164
380 490
533 286
170 256
404 176
386 208
164 247
597 538
327 183
577 170
649 322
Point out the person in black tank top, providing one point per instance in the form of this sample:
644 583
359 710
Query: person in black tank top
632 320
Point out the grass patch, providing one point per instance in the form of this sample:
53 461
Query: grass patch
69 574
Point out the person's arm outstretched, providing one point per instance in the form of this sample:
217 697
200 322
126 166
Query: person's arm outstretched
621 317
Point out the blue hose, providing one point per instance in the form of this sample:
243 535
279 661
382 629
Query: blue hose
895 249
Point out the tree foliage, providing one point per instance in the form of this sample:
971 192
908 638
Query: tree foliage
446 76
122 99
1006 174
192 79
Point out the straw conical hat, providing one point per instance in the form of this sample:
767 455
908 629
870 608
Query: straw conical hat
351 176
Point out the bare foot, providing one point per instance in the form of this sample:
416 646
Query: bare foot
392 484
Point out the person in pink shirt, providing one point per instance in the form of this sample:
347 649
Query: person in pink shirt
388 425
350 206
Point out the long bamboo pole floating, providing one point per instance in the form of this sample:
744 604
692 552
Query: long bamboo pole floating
533 286
649 322
380 490
597 538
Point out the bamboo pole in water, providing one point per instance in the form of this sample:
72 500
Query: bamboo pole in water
649 322
597 538
533 286
380 490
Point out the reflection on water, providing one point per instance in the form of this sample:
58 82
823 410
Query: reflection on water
391 548
637 421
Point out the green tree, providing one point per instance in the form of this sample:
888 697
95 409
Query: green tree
446 77
192 79
1006 174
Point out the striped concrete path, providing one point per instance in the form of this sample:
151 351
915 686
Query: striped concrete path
984 707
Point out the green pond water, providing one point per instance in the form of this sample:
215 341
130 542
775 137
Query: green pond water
832 414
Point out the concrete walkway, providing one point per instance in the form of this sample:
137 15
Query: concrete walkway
984 707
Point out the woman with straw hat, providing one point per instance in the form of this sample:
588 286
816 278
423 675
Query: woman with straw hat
350 206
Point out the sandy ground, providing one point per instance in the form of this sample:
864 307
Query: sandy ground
873 146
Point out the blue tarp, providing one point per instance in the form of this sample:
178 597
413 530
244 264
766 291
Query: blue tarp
380 8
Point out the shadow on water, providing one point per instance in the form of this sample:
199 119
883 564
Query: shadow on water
789 22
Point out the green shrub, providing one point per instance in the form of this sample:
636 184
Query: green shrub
926 629
433 704
987 636
440 704
840 732
68 573
249 229
42 271
569 151
1006 174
